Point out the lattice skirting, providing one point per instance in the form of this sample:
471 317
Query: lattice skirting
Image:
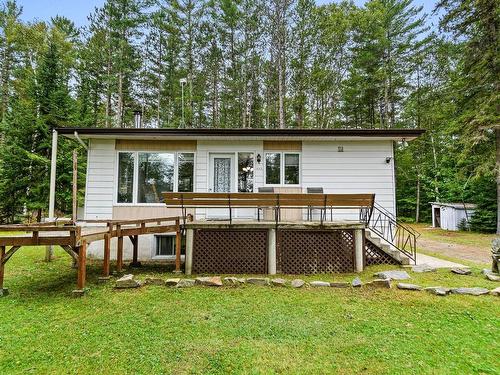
230 251
315 251
375 256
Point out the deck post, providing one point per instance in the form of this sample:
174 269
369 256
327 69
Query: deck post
82 265
2 271
178 244
271 251
358 250
119 249
135 253
189 251
107 255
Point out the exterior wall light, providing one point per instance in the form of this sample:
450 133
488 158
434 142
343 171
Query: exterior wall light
388 159
259 158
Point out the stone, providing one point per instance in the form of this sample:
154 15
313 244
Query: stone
380 283
393 275
185 283
127 281
496 291
234 280
103 279
317 284
4 292
298 283
471 291
461 271
209 281
278 282
423 268
438 290
172 282
486 271
356 283
154 281
409 286
259 281
340 284
78 292
492 277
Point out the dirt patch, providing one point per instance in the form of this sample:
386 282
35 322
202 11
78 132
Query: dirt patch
471 253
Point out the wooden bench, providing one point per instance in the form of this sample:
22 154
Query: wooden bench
276 201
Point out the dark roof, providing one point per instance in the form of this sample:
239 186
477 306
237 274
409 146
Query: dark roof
384 133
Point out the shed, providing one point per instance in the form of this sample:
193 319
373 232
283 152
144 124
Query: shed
448 216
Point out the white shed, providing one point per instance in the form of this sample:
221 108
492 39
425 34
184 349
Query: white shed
448 216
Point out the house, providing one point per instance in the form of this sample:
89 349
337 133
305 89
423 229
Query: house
451 216
128 169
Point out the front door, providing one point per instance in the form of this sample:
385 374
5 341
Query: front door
221 180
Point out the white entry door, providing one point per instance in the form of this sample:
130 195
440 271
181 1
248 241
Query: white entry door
221 180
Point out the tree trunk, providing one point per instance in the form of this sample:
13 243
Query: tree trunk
497 134
417 211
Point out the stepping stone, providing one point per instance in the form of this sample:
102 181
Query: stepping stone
185 283
127 281
317 284
356 283
209 281
379 283
492 277
438 290
471 291
172 282
340 284
298 283
496 291
423 268
393 275
461 271
234 280
259 281
278 282
154 281
409 286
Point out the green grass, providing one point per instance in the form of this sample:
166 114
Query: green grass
247 329
457 237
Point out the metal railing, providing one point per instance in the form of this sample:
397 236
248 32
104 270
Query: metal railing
400 236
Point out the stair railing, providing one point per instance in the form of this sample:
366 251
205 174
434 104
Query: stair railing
385 224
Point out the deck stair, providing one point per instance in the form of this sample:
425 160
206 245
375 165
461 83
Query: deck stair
384 246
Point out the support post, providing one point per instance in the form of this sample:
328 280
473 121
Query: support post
135 254
3 291
82 265
107 255
189 251
49 251
178 244
271 251
358 249
119 250
75 186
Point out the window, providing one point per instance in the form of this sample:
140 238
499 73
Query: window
186 172
245 172
282 168
125 177
156 175
144 176
165 246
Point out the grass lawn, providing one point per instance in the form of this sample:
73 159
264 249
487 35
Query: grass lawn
246 329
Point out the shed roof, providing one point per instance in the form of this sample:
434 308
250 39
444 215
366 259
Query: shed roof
468 206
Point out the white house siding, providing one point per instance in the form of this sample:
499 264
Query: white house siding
360 168
100 179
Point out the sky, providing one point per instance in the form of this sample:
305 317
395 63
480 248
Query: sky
78 10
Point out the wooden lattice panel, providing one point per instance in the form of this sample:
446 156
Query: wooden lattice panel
311 252
230 251
375 256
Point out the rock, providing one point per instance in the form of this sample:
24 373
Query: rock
298 283
4 292
423 268
409 286
496 291
461 271
340 284
380 283
154 281
185 283
127 281
393 275
234 280
317 284
356 283
492 277
486 271
472 291
209 281
278 282
259 281
438 290
172 282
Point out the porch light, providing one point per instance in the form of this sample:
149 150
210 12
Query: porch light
259 158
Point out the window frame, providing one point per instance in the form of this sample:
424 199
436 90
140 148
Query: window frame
154 247
135 188
282 168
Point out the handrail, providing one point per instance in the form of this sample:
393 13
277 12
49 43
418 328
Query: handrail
388 213
402 237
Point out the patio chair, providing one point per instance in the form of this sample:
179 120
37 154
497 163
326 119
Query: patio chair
313 190
263 189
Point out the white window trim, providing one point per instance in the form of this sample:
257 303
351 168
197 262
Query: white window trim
282 168
135 188
154 248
